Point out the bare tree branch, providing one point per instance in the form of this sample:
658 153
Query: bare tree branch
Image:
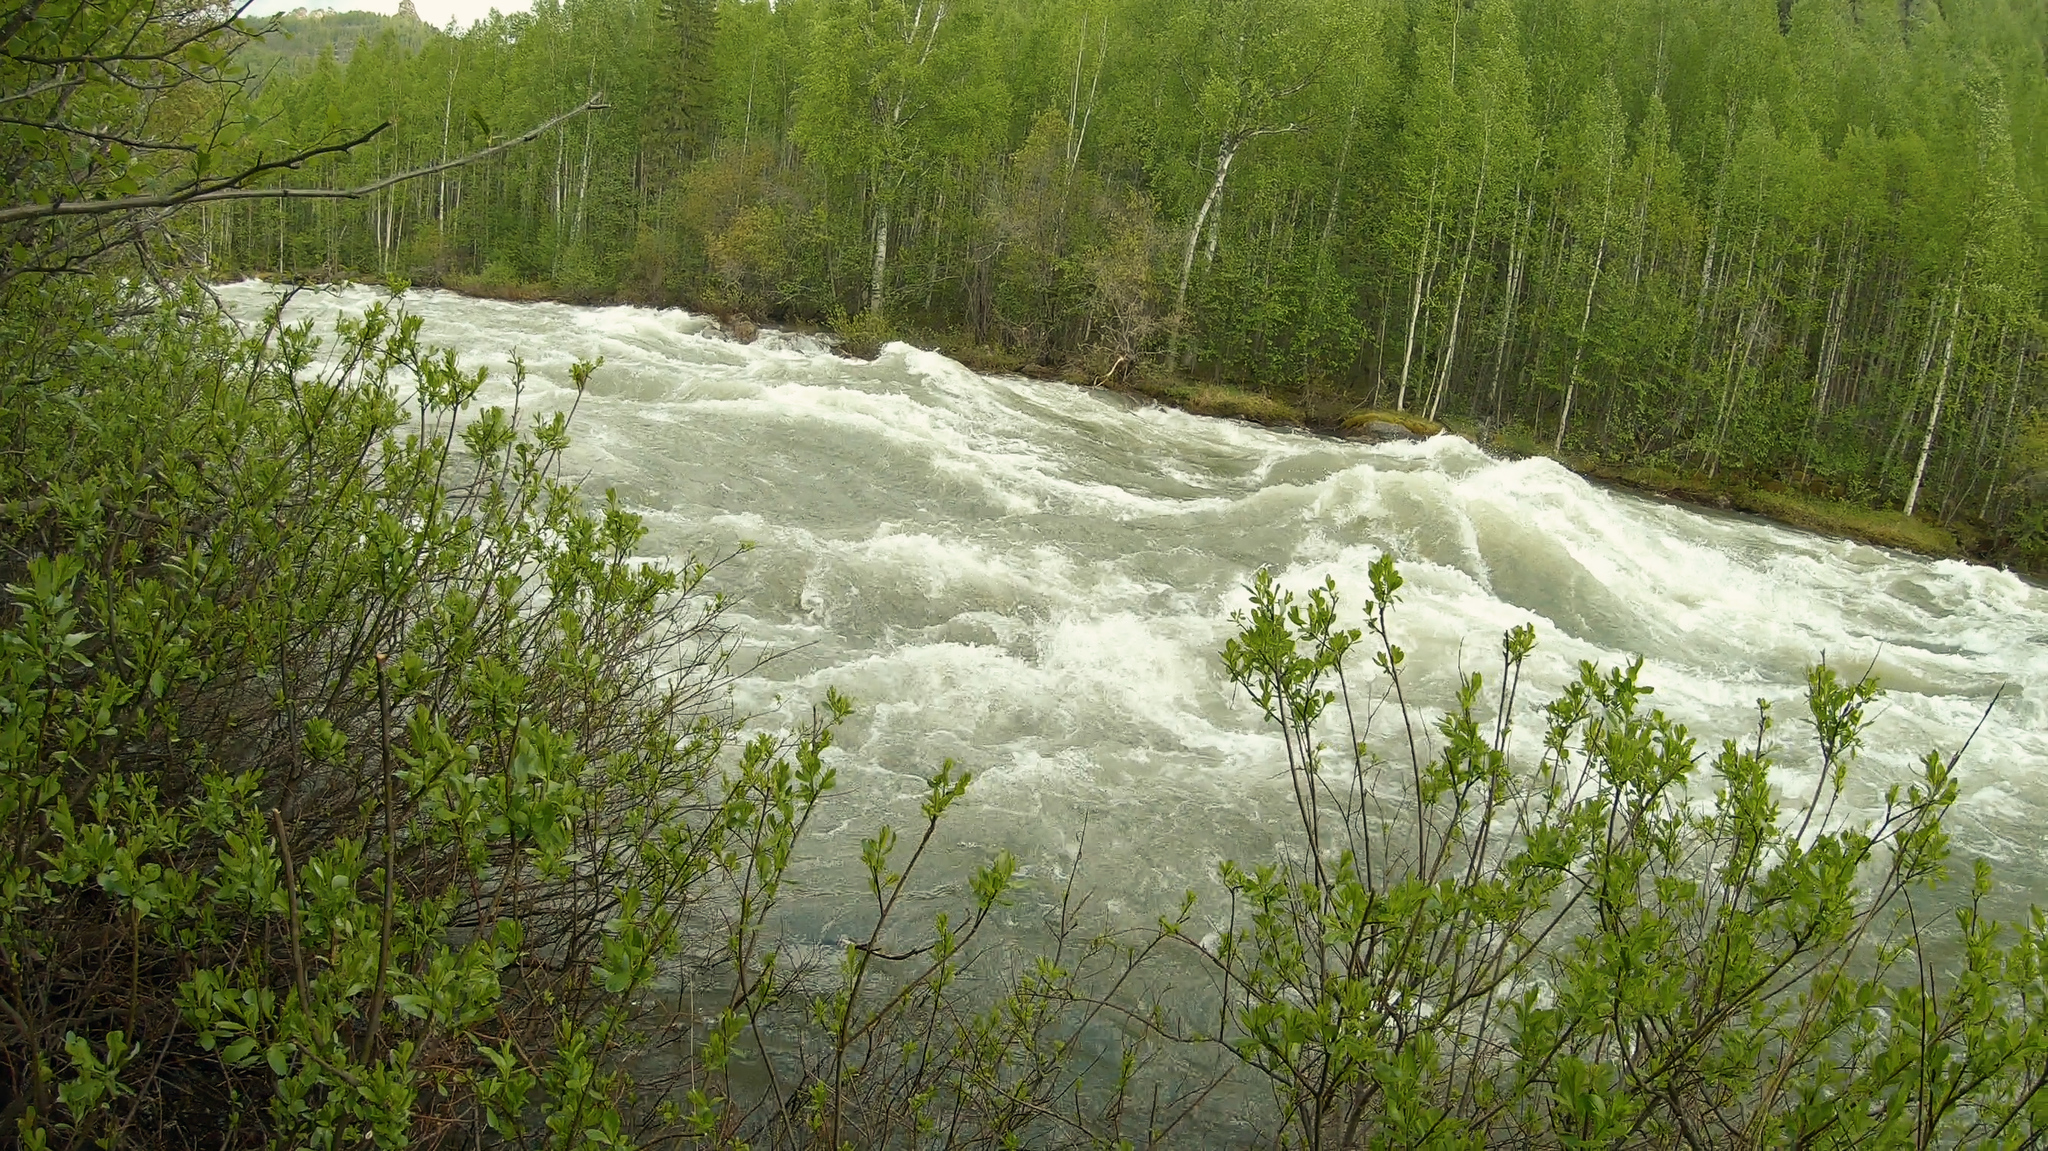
135 143
39 89
166 54
229 188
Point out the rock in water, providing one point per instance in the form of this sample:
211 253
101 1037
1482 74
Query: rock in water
1380 432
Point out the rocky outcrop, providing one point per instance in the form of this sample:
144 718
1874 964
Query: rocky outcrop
1381 432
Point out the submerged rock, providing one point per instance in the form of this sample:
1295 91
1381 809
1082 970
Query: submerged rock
1380 432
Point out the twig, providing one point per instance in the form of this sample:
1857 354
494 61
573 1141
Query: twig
228 188
390 859
291 897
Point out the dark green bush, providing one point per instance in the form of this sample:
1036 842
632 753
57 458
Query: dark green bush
357 777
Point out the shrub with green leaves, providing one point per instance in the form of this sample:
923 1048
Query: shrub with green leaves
1625 944
358 781
361 787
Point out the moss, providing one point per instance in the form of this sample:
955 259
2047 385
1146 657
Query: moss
983 358
1219 400
1886 527
1834 517
1206 399
861 336
1409 420
494 287
1515 440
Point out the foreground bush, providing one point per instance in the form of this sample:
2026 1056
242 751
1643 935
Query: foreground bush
1611 947
356 774
360 787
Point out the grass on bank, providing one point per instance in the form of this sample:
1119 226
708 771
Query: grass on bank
1203 398
1236 403
1885 527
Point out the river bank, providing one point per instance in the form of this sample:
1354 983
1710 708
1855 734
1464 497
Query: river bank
1348 418
1341 415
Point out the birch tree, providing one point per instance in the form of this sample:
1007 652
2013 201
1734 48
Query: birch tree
878 69
1244 68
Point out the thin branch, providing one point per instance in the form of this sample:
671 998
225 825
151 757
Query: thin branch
38 89
133 142
227 189
198 192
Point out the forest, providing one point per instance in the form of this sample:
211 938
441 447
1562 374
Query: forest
1799 244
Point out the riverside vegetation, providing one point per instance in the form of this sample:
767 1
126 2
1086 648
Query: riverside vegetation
361 787
1785 254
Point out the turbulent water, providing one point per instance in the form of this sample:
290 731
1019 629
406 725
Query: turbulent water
1035 580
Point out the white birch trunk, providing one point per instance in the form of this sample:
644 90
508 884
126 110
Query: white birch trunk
1443 377
1934 417
1518 259
881 272
1415 303
447 118
1571 386
582 182
1224 155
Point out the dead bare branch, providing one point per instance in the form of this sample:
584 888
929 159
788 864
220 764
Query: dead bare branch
232 187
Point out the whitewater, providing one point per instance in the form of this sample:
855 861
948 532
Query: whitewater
1035 580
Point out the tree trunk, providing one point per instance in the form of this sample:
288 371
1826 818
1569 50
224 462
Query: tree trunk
1336 193
1077 130
1517 258
1898 437
1739 367
1831 336
1415 303
881 273
1997 470
1934 417
1443 376
583 180
1571 384
1224 155
447 118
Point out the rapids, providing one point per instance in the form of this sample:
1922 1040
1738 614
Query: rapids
1035 580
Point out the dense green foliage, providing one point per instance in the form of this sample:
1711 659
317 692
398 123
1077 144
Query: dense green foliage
1800 242
360 788
295 40
339 748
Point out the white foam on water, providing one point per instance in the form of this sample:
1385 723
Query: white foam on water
1035 579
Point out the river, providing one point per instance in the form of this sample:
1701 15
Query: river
1035 580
